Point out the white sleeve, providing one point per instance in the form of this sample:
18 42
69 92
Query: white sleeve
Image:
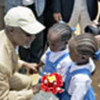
79 86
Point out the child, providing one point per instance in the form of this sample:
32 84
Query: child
56 58
78 81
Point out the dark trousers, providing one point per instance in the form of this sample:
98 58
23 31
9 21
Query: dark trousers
48 17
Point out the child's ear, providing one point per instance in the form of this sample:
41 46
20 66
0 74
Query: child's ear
84 57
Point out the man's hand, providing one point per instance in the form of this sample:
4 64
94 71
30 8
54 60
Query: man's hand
57 16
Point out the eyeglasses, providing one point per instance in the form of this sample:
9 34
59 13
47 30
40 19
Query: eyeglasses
28 35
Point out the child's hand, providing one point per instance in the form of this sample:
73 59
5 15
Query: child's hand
36 88
32 66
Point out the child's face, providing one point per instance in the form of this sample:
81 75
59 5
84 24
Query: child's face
55 42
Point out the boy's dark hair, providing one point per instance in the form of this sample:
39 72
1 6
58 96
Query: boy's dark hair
63 30
86 44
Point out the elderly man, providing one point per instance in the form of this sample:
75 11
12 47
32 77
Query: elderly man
21 27
33 53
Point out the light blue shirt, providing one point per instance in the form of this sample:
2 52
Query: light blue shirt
12 3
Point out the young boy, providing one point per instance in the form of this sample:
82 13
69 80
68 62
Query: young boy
78 81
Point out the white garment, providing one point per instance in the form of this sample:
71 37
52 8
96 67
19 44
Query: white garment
79 84
63 64
90 66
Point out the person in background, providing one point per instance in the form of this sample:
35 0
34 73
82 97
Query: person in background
20 29
75 11
48 18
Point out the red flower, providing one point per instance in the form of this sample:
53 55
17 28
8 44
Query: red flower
52 83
